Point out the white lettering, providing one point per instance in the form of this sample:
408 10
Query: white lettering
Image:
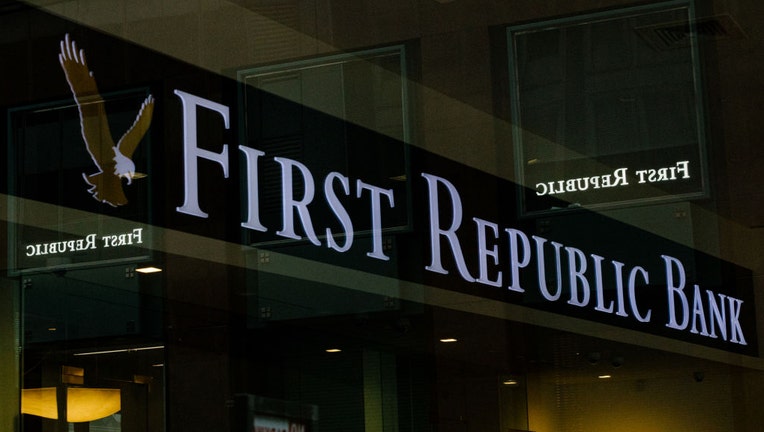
633 293
138 235
618 268
541 268
90 242
289 204
376 216
620 177
576 269
598 288
516 263
698 313
736 332
718 316
191 151
676 289
653 175
541 189
682 168
484 253
339 211
436 232
253 194
617 178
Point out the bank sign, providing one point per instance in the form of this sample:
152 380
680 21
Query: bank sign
501 257
639 282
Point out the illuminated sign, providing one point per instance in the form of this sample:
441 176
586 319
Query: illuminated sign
476 252
699 311
292 204
583 276
618 178
89 242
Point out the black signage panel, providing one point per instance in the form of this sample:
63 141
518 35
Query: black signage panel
372 203
61 154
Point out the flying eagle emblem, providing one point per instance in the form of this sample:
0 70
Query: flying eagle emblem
113 161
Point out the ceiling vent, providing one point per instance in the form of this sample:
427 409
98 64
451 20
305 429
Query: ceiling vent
678 34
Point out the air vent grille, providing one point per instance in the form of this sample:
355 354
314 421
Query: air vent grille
672 35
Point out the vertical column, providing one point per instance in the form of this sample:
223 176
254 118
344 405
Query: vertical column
380 392
9 357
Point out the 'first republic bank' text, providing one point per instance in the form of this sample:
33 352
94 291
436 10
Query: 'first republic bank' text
699 311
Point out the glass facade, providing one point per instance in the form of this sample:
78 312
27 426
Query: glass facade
430 215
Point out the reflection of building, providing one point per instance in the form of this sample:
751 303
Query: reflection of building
410 216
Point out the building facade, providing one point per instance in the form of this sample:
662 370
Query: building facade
430 215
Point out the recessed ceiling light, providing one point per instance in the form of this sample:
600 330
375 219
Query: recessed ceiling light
510 382
147 270
449 340
605 376
333 350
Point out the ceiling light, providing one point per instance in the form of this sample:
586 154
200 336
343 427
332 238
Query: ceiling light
605 376
147 270
449 340
333 350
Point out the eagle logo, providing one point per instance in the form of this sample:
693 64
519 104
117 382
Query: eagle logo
113 161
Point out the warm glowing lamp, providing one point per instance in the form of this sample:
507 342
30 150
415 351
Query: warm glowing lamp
82 404
40 402
88 404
